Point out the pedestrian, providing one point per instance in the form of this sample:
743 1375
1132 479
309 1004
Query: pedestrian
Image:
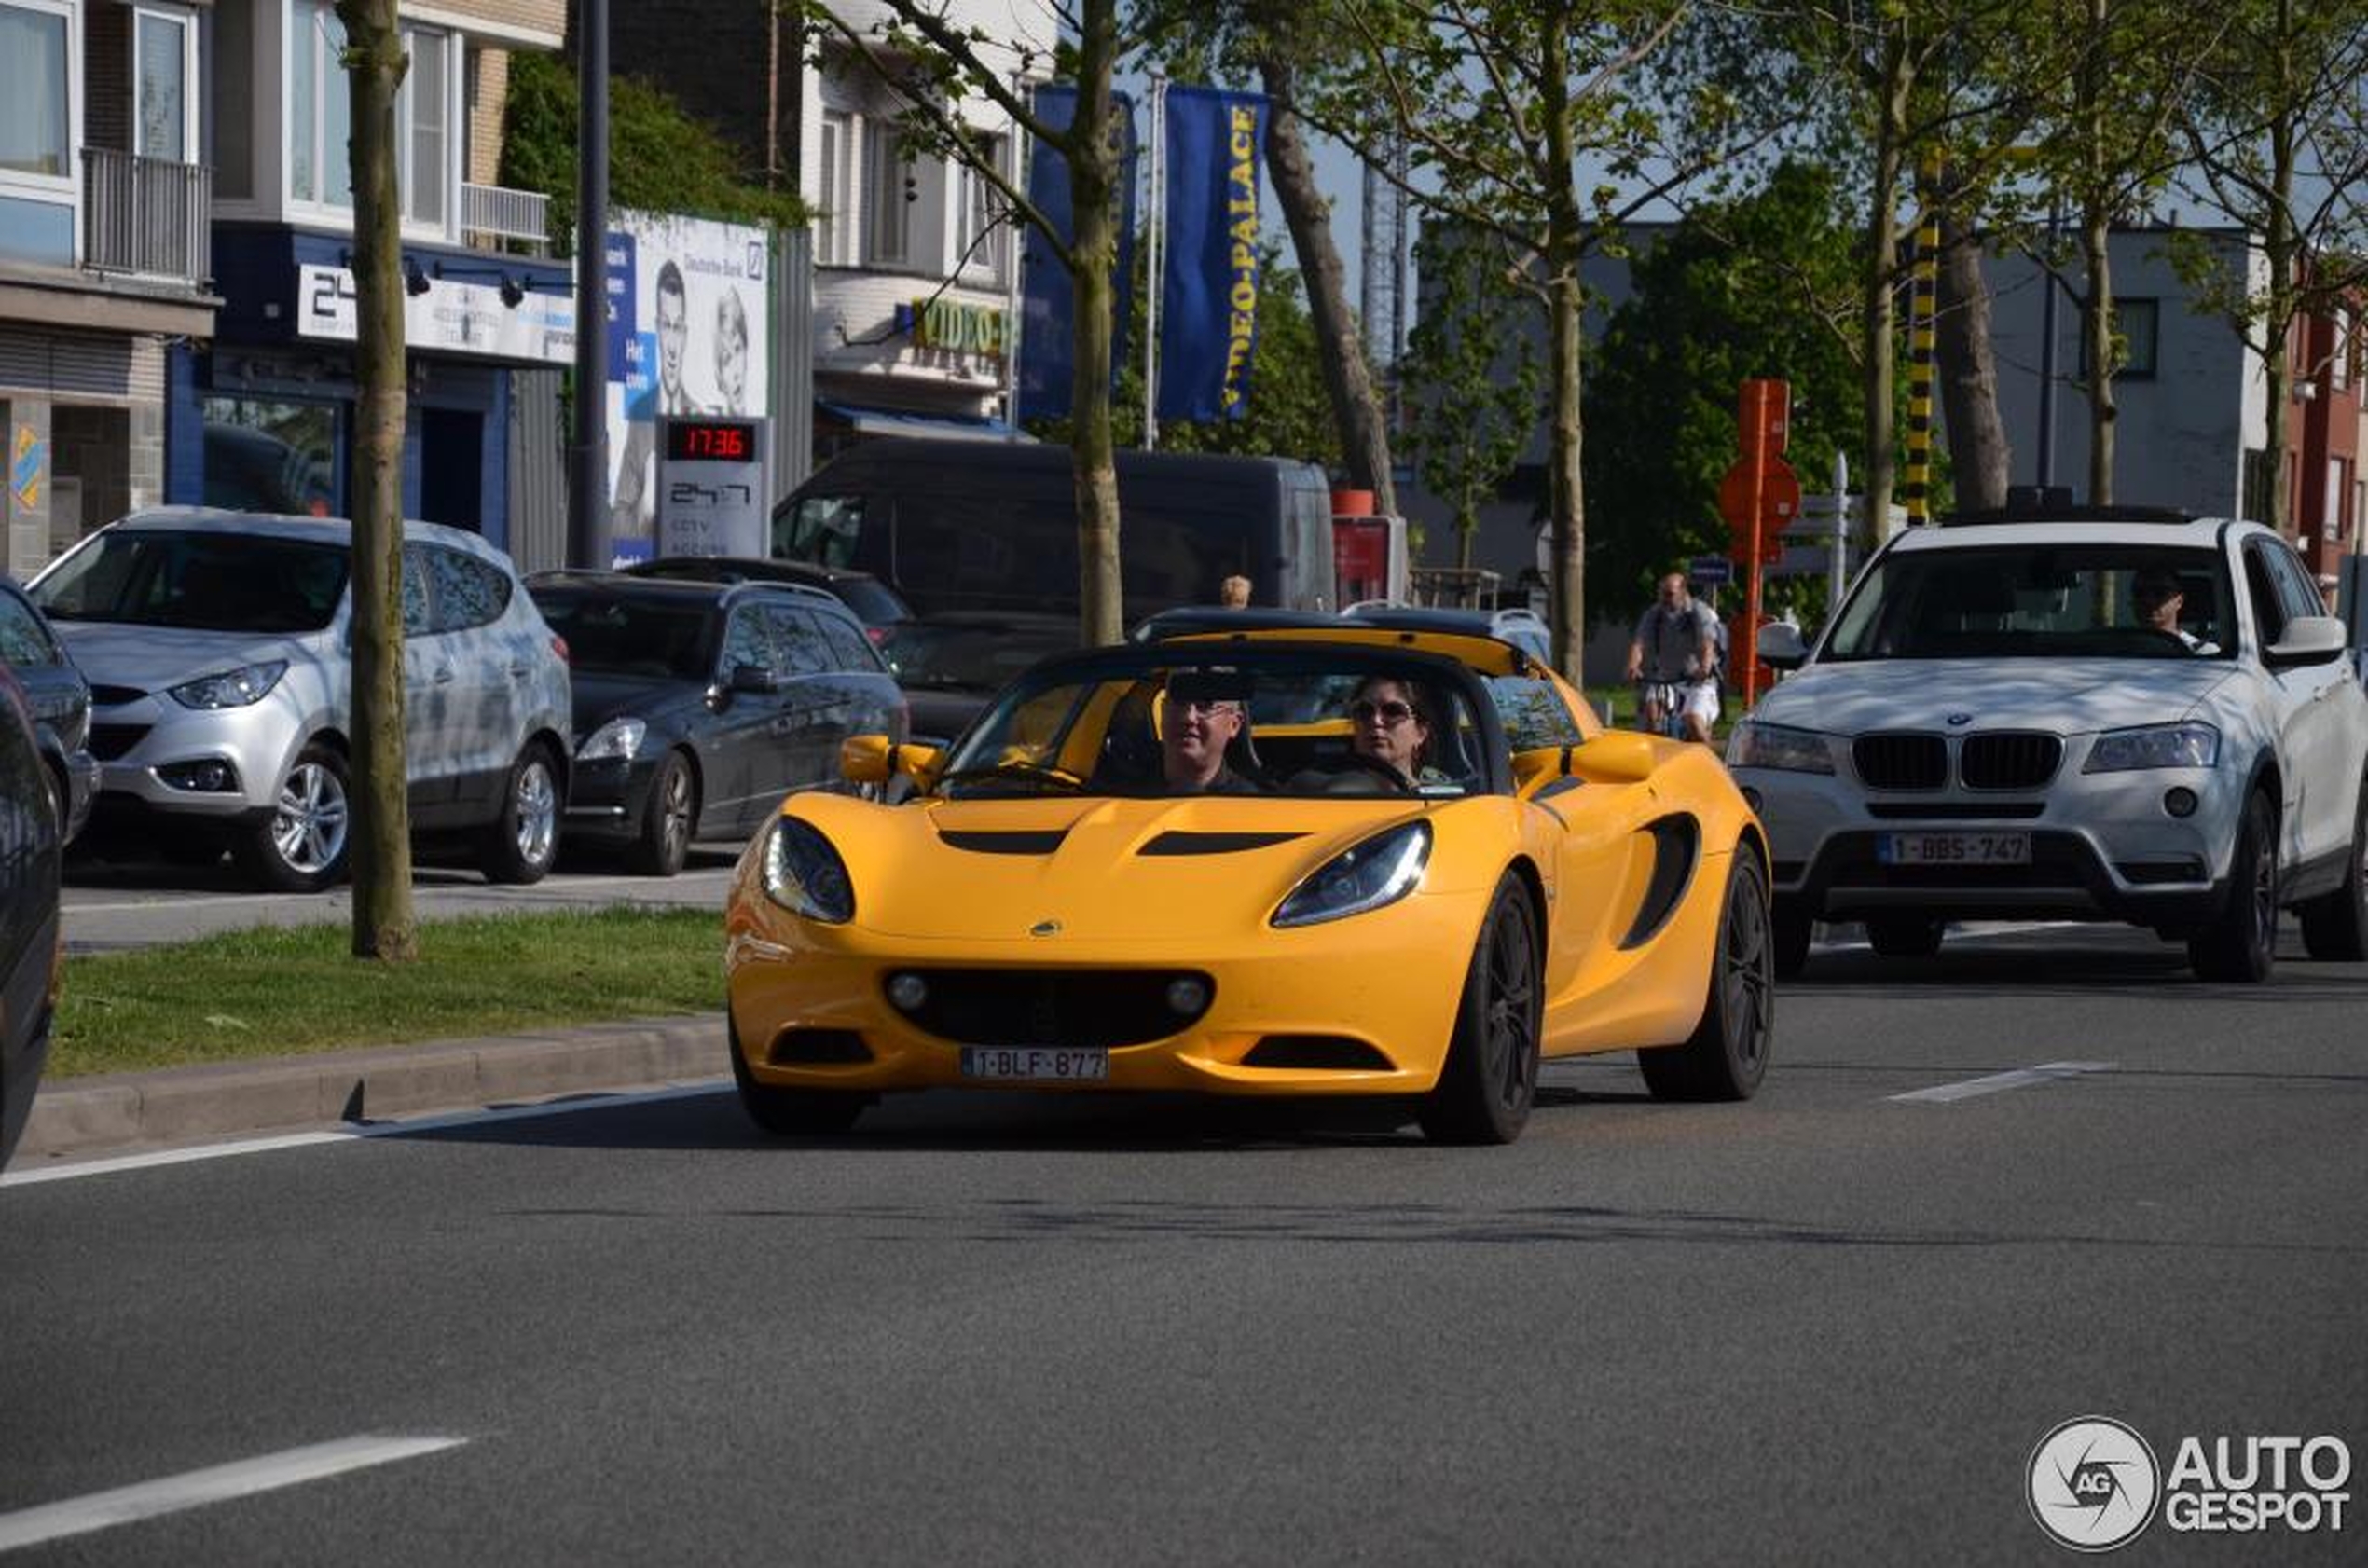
1674 660
1234 592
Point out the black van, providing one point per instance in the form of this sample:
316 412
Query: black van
972 525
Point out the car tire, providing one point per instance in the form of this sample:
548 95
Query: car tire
1904 936
2335 925
524 840
791 1112
1790 928
304 844
667 818
1489 1080
2242 944
1727 1055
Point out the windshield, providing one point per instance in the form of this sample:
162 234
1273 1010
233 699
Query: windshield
1171 720
823 529
207 581
969 657
609 635
2039 602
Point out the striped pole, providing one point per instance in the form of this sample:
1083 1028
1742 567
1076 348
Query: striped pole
1923 309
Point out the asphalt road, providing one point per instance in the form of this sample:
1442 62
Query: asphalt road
115 904
1827 1326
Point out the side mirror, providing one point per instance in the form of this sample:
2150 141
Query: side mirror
867 758
1614 757
755 679
1780 647
2309 639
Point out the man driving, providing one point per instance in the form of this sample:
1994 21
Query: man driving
1202 714
2156 596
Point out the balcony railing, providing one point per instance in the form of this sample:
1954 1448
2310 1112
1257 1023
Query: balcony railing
146 215
507 218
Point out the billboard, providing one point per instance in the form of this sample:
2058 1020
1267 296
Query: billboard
688 330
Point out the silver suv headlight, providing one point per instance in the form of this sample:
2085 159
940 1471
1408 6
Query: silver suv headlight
2186 744
1780 746
617 739
242 687
804 875
1381 871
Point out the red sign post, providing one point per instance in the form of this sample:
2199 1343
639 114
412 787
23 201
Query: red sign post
1759 495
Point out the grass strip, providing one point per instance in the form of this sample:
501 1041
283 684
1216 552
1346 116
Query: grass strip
284 991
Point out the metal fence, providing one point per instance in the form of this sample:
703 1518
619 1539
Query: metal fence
506 217
148 216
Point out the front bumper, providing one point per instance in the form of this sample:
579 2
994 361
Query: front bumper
606 798
1380 989
139 744
2104 847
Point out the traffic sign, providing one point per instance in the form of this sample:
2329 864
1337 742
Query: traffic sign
1711 570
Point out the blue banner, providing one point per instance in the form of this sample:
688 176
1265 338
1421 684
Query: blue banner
1208 300
1047 298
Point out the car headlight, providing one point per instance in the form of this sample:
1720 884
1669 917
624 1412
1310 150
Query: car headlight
241 687
617 738
1381 871
2153 745
804 875
1779 746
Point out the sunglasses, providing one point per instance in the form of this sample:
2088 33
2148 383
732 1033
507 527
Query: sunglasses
1205 707
1390 714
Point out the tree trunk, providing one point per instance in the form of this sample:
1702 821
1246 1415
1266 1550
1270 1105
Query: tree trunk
1365 452
381 826
1978 452
2097 335
1566 499
1875 311
1093 189
2284 252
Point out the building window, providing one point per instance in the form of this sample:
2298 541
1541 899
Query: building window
2134 333
320 108
37 91
894 186
980 239
2339 353
834 226
164 51
425 112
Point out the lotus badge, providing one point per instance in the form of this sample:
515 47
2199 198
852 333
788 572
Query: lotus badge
1045 928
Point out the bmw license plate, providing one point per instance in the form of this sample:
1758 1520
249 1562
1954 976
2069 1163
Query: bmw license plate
1035 1063
1954 849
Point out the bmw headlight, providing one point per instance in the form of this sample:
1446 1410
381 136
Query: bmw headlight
804 875
1381 871
1779 746
2187 744
241 687
615 740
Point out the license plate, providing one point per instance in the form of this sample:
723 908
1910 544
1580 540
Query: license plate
1035 1063
1954 849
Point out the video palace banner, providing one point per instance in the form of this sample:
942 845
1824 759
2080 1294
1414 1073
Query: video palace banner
1208 299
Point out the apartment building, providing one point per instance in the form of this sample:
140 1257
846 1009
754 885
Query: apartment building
916 273
105 261
260 413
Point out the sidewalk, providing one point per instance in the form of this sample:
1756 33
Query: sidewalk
114 1113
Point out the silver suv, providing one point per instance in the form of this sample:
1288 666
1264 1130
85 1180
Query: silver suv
218 649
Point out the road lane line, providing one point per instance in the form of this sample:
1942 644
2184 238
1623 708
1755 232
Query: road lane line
218 1483
34 1176
2021 1078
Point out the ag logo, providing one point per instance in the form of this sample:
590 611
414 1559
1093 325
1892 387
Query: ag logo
2093 1484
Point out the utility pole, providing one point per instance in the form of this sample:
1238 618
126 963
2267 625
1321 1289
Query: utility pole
588 543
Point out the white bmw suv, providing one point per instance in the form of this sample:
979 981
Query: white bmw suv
2084 714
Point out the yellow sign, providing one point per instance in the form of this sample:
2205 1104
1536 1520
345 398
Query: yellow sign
26 460
958 328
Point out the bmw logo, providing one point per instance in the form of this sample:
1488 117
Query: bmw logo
1956 720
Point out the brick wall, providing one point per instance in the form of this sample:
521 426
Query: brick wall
547 17
489 91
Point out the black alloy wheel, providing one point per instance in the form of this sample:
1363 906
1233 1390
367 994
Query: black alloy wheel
1727 1055
2241 945
1489 1081
664 842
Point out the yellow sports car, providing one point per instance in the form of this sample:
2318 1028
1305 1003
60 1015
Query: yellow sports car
1344 861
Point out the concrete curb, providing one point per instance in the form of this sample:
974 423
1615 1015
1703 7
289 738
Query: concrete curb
111 1112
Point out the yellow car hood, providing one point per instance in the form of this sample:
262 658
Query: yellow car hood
1105 869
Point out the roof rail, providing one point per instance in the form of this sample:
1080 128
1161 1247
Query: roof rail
805 590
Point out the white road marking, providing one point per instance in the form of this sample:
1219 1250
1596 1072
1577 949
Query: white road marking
34 1175
218 1483
2021 1078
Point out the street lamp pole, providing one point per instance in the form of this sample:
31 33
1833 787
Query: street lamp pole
2046 453
589 542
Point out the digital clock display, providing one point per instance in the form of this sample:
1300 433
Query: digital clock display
710 441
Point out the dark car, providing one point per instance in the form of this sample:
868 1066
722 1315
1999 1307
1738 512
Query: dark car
699 705
950 666
29 962
60 702
875 603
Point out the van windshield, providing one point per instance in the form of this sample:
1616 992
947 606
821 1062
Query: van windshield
822 529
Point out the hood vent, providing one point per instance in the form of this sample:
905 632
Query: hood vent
1022 843
1213 844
